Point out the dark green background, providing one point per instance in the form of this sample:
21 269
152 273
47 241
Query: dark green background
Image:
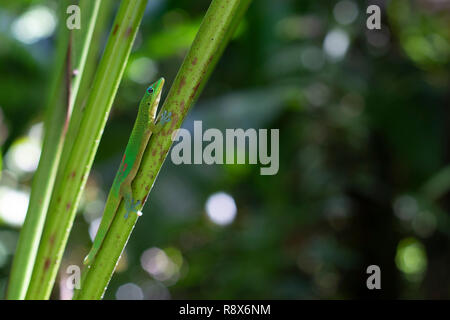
360 138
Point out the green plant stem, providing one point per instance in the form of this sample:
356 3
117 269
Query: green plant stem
93 55
85 81
216 29
44 177
58 113
42 184
83 46
70 181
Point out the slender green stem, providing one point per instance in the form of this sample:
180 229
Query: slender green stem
104 17
58 113
83 44
71 179
86 78
216 29
45 175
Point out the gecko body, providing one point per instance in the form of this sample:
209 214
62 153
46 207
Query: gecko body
146 124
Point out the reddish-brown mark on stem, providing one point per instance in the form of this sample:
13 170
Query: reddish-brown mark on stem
47 264
116 27
182 84
182 106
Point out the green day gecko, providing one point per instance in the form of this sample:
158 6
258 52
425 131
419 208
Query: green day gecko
121 188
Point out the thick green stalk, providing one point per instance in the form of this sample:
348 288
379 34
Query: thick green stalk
216 29
58 113
71 180
43 179
55 119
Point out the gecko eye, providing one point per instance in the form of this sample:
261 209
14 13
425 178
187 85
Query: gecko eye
150 90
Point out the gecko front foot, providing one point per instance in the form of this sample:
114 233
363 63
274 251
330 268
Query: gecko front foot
165 117
132 206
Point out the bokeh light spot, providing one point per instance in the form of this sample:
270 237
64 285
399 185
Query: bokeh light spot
129 291
23 156
13 205
345 12
37 23
221 208
336 44
405 207
159 265
142 70
411 257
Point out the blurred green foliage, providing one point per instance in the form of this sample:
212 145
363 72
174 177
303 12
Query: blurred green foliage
364 135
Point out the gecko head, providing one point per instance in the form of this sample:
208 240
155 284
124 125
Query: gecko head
156 87
152 96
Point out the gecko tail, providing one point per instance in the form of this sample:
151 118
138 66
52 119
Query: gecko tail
131 206
90 257
92 253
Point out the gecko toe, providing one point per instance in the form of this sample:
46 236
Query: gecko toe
166 116
132 206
